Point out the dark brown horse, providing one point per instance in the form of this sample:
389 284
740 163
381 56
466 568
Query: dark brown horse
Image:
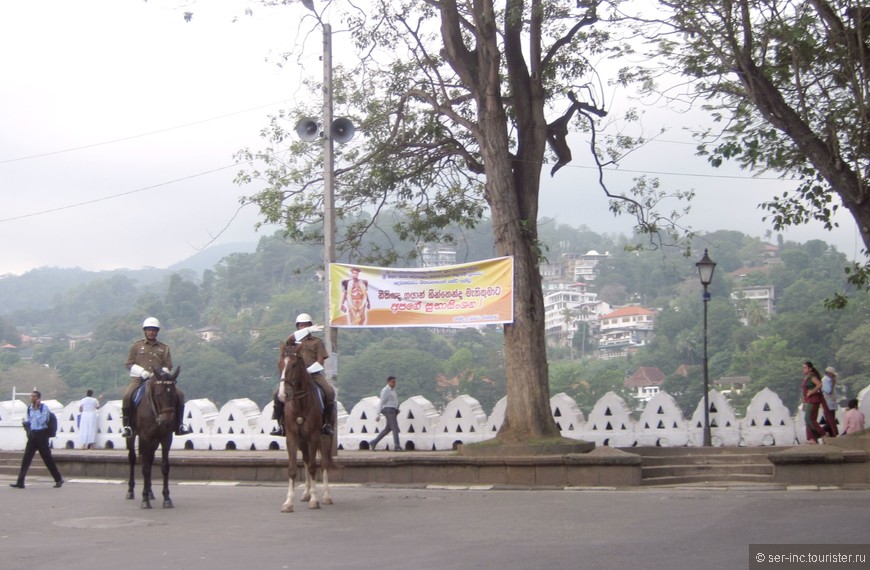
155 425
303 421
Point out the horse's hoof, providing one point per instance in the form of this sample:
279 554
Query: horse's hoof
146 505
130 495
151 495
305 498
313 505
286 508
167 504
327 502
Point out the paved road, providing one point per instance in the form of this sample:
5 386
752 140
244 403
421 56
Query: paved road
88 525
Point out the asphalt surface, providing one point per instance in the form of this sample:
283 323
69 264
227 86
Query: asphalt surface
88 524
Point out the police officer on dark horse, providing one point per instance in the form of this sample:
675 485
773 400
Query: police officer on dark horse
145 356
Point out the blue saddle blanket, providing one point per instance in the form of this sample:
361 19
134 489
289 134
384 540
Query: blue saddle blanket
138 392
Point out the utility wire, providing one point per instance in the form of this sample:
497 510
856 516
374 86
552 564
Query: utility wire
113 196
149 133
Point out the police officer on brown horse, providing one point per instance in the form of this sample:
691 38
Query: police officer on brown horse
145 356
313 353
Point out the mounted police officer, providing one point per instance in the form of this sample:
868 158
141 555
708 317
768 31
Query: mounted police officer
313 354
145 356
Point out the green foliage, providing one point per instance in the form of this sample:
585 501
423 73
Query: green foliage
442 364
416 370
787 83
587 381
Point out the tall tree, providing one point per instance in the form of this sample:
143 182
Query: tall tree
454 99
789 83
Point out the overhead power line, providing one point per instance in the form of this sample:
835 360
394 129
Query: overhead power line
113 196
132 137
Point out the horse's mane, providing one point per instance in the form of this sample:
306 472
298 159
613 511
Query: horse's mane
297 369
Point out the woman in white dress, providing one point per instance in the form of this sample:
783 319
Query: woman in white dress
88 407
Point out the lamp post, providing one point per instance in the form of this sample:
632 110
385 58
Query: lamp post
705 272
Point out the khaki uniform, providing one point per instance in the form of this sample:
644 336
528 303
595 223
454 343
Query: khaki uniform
313 350
150 355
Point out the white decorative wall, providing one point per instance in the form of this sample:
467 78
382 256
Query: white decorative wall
241 424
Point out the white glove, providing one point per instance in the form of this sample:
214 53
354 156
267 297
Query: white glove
137 371
302 333
315 368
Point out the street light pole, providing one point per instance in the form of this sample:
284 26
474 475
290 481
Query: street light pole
705 271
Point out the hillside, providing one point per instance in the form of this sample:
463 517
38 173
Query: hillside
39 288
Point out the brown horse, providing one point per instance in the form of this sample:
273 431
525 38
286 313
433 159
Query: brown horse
302 426
155 425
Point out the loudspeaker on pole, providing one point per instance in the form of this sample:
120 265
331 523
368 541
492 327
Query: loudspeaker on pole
341 130
308 129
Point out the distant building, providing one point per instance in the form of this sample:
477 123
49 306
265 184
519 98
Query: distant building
623 330
565 308
753 302
437 255
582 267
209 334
731 384
74 340
646 382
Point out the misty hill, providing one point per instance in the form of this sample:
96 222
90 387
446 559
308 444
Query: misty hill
39 288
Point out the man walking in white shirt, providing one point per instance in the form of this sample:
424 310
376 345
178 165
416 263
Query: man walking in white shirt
389 407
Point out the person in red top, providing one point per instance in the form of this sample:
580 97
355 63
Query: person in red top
811 390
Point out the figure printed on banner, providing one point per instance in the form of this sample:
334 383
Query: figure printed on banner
355 298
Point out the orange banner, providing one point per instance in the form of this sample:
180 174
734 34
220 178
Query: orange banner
474 293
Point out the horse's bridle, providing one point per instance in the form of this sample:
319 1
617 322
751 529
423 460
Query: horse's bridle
152 401
294 394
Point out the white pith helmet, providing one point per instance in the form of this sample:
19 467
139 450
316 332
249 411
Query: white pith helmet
304 318
151 323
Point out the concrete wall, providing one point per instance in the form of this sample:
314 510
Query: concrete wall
241 424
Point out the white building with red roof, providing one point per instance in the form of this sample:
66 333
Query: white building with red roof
624 329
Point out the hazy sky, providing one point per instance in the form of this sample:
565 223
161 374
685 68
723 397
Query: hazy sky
118 122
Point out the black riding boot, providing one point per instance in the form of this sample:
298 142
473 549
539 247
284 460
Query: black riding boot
327 418
278 415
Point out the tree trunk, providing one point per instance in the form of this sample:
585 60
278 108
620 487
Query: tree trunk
528 416
512 186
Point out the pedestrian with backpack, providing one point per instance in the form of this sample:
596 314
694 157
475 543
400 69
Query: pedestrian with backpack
39 424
